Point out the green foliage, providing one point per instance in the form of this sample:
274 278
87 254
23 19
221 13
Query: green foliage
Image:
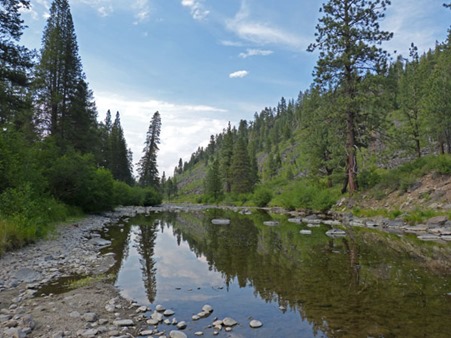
305 194
151 197
261 197
26 215
368 178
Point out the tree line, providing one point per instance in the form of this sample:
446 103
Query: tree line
365 110
54 153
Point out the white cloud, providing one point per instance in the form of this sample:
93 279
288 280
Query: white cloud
410 22
197 8
229 43
239 74
185 127
261 33
255 52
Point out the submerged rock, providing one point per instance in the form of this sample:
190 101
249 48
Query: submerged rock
336 233
220 221
271 223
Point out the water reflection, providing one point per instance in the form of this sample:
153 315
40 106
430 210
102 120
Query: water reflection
342 287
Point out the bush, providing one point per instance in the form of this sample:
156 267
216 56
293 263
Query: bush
262 197
151 197
26 216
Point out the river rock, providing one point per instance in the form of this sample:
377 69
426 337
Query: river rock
90 317
181 325
123 322
305 232
429 237
28 275
160 308
177 334
336 233
271 223
296 220
227 321
220 221
168 313
207 308
255 324
157 316
437 221
100 242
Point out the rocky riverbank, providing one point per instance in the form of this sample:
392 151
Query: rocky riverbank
92 310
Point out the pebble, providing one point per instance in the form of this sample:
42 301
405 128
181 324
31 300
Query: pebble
168 313
255 324
160 308
177 334
181 325
123 322
229 321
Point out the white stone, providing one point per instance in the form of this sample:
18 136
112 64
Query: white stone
177 334
168 312
160 308
219 221
255 324
207 308
305 232
227 321
181 325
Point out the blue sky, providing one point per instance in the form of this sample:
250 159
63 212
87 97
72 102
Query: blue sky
202 63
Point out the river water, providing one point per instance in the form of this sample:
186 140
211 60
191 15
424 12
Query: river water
297 285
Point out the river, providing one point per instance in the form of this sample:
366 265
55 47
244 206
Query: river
297 285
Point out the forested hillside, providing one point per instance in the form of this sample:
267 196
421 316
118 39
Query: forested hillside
56 159
366 112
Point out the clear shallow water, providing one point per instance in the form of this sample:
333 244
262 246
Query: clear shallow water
246 270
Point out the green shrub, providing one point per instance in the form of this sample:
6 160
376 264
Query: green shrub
262 196
151 197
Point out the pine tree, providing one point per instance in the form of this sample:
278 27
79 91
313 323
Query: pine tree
15 64
241 179
410 96
226 158
348 36
120 166
213 182
437 97
147 166
63 97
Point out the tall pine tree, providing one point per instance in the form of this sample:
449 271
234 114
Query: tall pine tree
348 38
65 106
120 165
147 166
15 63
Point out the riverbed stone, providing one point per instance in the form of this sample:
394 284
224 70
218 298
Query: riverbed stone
228 321
177 334
305 232
207 308
123 322
181 325
168 312
220 221
28 275
271 223
255 324
90 317
437 221
160 308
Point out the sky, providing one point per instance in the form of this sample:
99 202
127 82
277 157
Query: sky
203 63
